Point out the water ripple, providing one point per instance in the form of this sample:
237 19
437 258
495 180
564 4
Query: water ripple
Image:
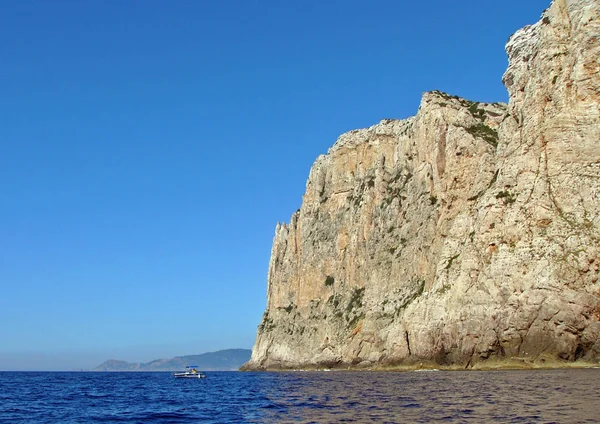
549 396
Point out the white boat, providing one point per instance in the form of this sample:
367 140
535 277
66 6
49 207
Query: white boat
191 372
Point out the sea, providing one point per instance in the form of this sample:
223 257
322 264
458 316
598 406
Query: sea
540 396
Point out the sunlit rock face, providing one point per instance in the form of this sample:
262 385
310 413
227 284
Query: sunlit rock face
466 233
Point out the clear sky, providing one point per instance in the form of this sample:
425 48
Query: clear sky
148 149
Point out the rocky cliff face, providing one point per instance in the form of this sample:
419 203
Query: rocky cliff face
468 232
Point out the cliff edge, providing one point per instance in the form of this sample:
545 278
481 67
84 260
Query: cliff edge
466 233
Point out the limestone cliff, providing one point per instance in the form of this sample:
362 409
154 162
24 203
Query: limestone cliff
470 231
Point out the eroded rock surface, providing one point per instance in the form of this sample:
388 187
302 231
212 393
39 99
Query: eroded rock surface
470 231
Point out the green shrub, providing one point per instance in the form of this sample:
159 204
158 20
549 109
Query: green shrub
356 301
507 196
449 264
488 134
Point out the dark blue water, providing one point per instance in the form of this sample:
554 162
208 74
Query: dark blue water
552 396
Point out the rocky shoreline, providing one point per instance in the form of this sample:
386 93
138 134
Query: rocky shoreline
490 365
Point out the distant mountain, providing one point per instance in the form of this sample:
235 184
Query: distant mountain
222 360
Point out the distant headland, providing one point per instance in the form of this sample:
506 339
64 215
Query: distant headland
221 360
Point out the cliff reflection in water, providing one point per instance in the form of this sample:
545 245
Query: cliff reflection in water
500 396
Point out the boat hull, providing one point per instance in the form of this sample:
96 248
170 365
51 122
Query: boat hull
186 375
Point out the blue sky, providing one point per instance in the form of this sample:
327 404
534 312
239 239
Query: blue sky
148 149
